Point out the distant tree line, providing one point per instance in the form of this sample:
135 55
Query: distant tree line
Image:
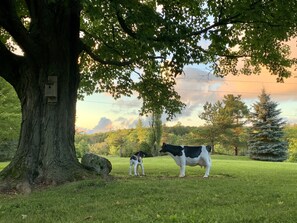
124 142
230 127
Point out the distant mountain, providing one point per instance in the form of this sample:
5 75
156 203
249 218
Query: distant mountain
81 130
104 125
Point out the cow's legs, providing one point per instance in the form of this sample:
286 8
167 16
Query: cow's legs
182 170
182 164
207 167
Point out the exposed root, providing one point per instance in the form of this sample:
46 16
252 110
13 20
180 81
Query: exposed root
9 185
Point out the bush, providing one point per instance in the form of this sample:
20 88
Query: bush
7 150
128 148
82 148
144 146
100 148
293 150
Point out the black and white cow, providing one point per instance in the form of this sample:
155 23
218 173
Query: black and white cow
189 155
136 160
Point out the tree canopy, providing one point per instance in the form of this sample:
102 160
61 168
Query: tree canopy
140 46
173 34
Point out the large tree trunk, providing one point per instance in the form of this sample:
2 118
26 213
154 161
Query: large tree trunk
46 152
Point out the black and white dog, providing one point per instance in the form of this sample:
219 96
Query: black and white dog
136 160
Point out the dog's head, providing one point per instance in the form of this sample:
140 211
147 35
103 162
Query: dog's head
140 154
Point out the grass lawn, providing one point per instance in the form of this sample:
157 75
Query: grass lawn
238 190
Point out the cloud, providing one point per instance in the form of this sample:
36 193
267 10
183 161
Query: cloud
126 106
126 123
251 86
198 87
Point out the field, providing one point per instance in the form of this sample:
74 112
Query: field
238 190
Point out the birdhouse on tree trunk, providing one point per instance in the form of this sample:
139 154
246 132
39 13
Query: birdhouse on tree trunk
51 89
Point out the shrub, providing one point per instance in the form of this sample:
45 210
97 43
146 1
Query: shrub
293 150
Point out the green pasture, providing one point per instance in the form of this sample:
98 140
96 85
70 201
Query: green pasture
238 190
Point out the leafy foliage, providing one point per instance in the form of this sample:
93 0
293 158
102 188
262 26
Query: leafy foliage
290 134
81 145
238 113
224 121
293 150
266 141
10 112
155 134
10 116
180 135
137 45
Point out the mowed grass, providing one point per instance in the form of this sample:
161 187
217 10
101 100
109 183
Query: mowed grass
238 190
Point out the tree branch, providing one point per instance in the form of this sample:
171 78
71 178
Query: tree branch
9 65
179 37
135 35
30 4
97 58
10 21
124 26
95 37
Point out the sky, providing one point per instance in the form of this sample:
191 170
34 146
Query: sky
100 112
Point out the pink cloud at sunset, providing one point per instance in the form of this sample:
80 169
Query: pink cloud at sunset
250 86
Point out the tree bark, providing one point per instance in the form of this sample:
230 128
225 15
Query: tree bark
236 150
46 152
212 147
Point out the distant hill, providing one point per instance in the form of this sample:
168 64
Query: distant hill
106 125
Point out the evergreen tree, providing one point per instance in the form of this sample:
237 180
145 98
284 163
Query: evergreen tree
267 136
216 122
237 112
224 121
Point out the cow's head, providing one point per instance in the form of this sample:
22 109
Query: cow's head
171 149
163 148
208 148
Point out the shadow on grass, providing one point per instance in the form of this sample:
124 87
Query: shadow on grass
171 177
